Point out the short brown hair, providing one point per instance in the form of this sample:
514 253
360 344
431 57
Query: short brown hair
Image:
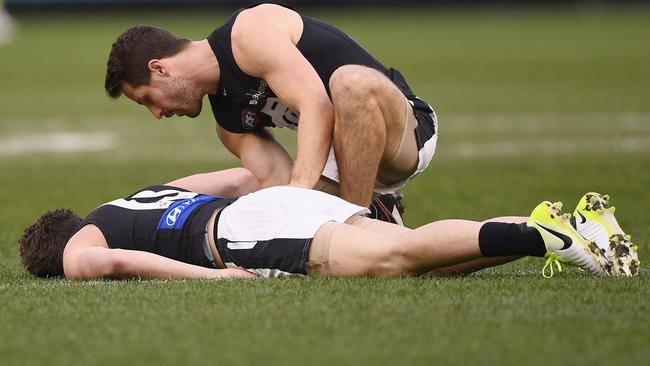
131 53
42 243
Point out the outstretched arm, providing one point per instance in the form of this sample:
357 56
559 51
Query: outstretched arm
97 262
228 183
87 256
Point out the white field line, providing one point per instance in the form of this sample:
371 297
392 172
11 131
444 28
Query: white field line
57 142
545 147
527 123
632 136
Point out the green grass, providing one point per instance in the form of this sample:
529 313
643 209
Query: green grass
532 106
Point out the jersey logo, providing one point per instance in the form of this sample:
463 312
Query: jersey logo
173 216
249 119
281 115
177 214
258 95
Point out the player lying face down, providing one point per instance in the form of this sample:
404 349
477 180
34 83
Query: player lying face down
196 227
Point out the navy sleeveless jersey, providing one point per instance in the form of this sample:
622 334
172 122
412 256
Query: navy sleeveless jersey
244 103
164 220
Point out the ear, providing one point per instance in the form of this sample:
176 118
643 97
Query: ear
158 67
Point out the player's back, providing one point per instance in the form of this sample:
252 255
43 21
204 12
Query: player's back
165 220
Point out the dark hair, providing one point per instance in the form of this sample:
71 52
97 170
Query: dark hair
131 53
42 243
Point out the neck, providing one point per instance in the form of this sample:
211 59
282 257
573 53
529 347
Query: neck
199 66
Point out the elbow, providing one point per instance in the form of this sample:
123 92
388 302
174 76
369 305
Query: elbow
113 265
116 266
245 183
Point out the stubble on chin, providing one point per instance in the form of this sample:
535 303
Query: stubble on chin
187 94
196 110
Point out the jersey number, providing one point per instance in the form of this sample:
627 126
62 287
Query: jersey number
150 200
281 116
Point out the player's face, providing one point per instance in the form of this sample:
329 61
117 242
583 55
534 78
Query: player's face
166 97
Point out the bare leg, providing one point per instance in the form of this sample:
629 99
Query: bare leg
479 264
371 247
369 122
360 252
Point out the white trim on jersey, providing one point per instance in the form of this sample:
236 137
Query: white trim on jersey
164 201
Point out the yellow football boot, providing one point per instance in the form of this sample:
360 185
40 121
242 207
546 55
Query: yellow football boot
595 221
563 243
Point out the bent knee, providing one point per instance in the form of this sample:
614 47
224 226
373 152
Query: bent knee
350 81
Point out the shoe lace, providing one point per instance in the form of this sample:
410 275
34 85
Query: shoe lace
551 259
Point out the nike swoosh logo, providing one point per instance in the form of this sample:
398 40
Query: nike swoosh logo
582 217
566 239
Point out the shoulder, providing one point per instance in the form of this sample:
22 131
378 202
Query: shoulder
264 11
262 34
86 255
90 235
250 22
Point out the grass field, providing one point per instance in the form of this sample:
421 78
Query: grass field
532 105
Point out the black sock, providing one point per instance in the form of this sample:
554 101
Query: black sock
498 239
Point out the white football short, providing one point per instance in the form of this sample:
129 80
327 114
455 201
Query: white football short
269 232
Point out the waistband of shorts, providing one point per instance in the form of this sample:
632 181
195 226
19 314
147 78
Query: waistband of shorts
206 242
214 233
420 104
206 249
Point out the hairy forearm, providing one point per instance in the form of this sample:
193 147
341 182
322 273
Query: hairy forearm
314 141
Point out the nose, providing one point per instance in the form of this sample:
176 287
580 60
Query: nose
156 111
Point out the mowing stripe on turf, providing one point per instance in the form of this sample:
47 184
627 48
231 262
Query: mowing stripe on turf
57 142
462 137
545 147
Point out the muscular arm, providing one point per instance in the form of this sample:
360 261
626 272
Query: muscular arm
87 256
263 41
260 154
